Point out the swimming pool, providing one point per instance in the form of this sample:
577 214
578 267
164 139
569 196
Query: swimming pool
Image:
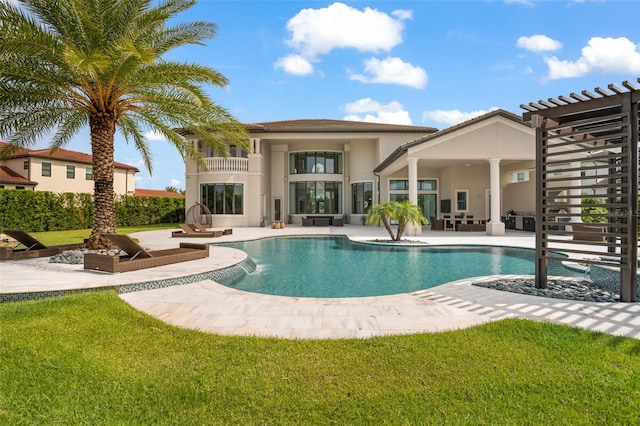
338 267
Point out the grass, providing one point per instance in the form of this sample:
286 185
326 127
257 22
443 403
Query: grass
92 359
54 238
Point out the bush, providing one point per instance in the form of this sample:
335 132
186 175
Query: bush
38 211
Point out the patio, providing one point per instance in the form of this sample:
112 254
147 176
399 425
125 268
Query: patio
188 297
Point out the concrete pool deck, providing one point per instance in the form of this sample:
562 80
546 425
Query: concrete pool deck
211 307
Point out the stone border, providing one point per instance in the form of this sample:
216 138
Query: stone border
222 276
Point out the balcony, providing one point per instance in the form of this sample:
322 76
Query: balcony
232 164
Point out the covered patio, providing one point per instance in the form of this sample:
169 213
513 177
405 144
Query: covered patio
462 167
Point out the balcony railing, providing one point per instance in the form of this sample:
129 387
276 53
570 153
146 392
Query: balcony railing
220 164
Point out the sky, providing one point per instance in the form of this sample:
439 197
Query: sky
426 63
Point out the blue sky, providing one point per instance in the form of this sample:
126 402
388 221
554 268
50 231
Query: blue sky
431 63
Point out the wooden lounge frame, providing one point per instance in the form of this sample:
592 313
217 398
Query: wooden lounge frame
138 258
33 247
191 231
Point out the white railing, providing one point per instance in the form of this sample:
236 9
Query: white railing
220 164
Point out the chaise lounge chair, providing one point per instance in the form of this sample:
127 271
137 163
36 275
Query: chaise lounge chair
139 258
33 247
189 231
201 228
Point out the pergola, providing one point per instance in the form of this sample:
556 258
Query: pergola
601 127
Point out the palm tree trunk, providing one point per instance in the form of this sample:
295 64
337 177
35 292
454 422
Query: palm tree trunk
385 221
102 126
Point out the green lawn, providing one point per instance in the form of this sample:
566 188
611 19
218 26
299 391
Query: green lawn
92 359
54 238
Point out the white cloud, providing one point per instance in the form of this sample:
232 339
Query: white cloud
294 64
175 183
316 32
153 135
523 2
452 116
371 111
392 70
601 55
538 43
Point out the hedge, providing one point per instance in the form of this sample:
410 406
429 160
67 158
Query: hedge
37 211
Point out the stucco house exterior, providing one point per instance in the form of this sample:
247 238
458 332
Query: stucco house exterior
305 168
297 168
58 171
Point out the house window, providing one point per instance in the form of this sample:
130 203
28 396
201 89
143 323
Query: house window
315 197
19 187
315 162
462 199
25 165
223 198
71 172
521 176
88 173
46 169
398 185
362 197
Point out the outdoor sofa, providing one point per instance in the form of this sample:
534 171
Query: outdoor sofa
138 258
33 247
322 221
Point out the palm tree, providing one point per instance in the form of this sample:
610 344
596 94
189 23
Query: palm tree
66 64
404 212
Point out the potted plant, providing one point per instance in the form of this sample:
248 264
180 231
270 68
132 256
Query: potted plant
263 223
290 219
345 218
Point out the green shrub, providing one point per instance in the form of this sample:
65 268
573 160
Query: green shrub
38 211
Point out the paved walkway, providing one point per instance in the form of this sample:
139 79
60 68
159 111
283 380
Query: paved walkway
211 307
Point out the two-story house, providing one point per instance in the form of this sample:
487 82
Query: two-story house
59 171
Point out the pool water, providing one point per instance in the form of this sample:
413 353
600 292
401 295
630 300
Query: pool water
338 267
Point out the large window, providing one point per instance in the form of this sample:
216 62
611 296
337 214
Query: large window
223 198
427 194
71 172
315 197
88 173
362 197
315 162
46 169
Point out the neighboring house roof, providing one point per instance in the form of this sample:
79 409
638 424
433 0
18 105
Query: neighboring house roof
62 155
321 125
9 176
403 149
157 193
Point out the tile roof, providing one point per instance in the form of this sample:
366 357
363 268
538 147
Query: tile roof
323 125
156 193
9 176
60 154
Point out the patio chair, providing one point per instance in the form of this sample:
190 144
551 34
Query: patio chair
188 232
33 247
137 257
201 228
436 224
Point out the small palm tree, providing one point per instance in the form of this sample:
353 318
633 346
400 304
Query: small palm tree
403 212
68 64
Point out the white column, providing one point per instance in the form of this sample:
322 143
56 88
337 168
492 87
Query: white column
413 229
575 210
413 180
495 226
